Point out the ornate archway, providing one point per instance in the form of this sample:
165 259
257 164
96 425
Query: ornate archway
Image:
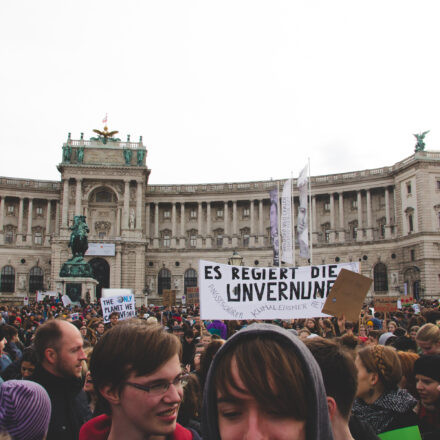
101 273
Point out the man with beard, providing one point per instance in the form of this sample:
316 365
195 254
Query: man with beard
59 349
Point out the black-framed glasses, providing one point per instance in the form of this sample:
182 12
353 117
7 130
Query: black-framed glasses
161 387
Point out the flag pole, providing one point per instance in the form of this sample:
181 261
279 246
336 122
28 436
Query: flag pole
279 223
310 218
292 210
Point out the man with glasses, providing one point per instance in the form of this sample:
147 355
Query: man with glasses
137 374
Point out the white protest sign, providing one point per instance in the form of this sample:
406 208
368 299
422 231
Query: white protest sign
66 300
42 295
123 304
240 292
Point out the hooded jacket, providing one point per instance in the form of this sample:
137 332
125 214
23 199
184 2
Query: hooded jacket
318 425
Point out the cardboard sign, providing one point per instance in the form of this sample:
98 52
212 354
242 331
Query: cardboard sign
239 292
169 298
386 304
192 296
347 295
123 304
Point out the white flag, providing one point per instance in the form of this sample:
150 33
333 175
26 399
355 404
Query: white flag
286 223
303 225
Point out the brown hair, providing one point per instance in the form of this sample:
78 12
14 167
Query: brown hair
338 372
130 347
407 361
384 361
48 335
428 333
279 378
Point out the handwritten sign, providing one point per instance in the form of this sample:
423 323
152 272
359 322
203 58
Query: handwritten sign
123 304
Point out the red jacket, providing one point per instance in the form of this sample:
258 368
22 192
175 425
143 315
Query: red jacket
98 428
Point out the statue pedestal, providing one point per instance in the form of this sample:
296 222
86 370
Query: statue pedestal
77 288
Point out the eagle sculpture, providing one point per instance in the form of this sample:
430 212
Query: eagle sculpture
104 135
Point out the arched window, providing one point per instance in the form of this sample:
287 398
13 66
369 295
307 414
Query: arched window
190 279
7 279
36 278
380 278
163 281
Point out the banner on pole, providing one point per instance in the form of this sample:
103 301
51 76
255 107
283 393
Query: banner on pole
274 226
123 304
286 223
302 222
240 292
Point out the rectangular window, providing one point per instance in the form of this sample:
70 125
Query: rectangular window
220 213
245 240
438 184
11 209
354 204
193 213
413 254
326 206
410 223
38 238
327 236
246 212
9 237
167 214
354 232
219 240
39 210
166 241
408 188
101 234
193 240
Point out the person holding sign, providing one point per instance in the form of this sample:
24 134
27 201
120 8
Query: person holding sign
265 384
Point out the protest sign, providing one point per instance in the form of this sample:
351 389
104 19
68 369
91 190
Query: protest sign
169 298
42 295
123 304
66 300
385 304
347 295
192 295
240 292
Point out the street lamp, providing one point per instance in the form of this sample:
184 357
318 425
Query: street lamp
236 259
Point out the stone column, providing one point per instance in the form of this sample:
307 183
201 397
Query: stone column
387 214
199 225
260 224
78 196
369 225
315 233
118 268
182 225
64 218
48 215
208 226
126 211
140 271
332 219
139 205
57 217
226 219
341 218
2 217
29 222
20 222
360 232
156 225
147 220
234 224
173 225
252 224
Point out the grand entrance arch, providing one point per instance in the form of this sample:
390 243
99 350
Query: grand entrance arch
101 273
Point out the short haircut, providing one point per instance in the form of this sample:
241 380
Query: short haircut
29 355
48 335
338 372
375 334
428 333
9 332
130 347
384 361
114 314
279 378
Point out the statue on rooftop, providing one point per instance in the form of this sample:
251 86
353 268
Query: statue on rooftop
67 152
140 156
420 145
105 135
80 155
127 156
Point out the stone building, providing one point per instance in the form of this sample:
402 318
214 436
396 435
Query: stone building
150 237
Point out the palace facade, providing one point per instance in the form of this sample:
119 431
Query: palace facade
150 237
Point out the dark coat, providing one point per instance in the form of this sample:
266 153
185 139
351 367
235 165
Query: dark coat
70 409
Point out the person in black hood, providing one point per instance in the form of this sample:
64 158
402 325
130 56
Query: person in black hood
264 383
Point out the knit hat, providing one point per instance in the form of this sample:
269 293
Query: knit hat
384 338
24 410
429 366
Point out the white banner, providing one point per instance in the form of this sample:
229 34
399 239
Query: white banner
239 292
286 223
302 222
66 300
123 304
42 295
101 249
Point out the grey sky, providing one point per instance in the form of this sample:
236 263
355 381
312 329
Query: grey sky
220 91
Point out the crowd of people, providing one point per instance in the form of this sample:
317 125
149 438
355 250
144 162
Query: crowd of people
167 374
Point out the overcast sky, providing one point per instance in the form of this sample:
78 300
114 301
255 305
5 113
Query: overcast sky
221 91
